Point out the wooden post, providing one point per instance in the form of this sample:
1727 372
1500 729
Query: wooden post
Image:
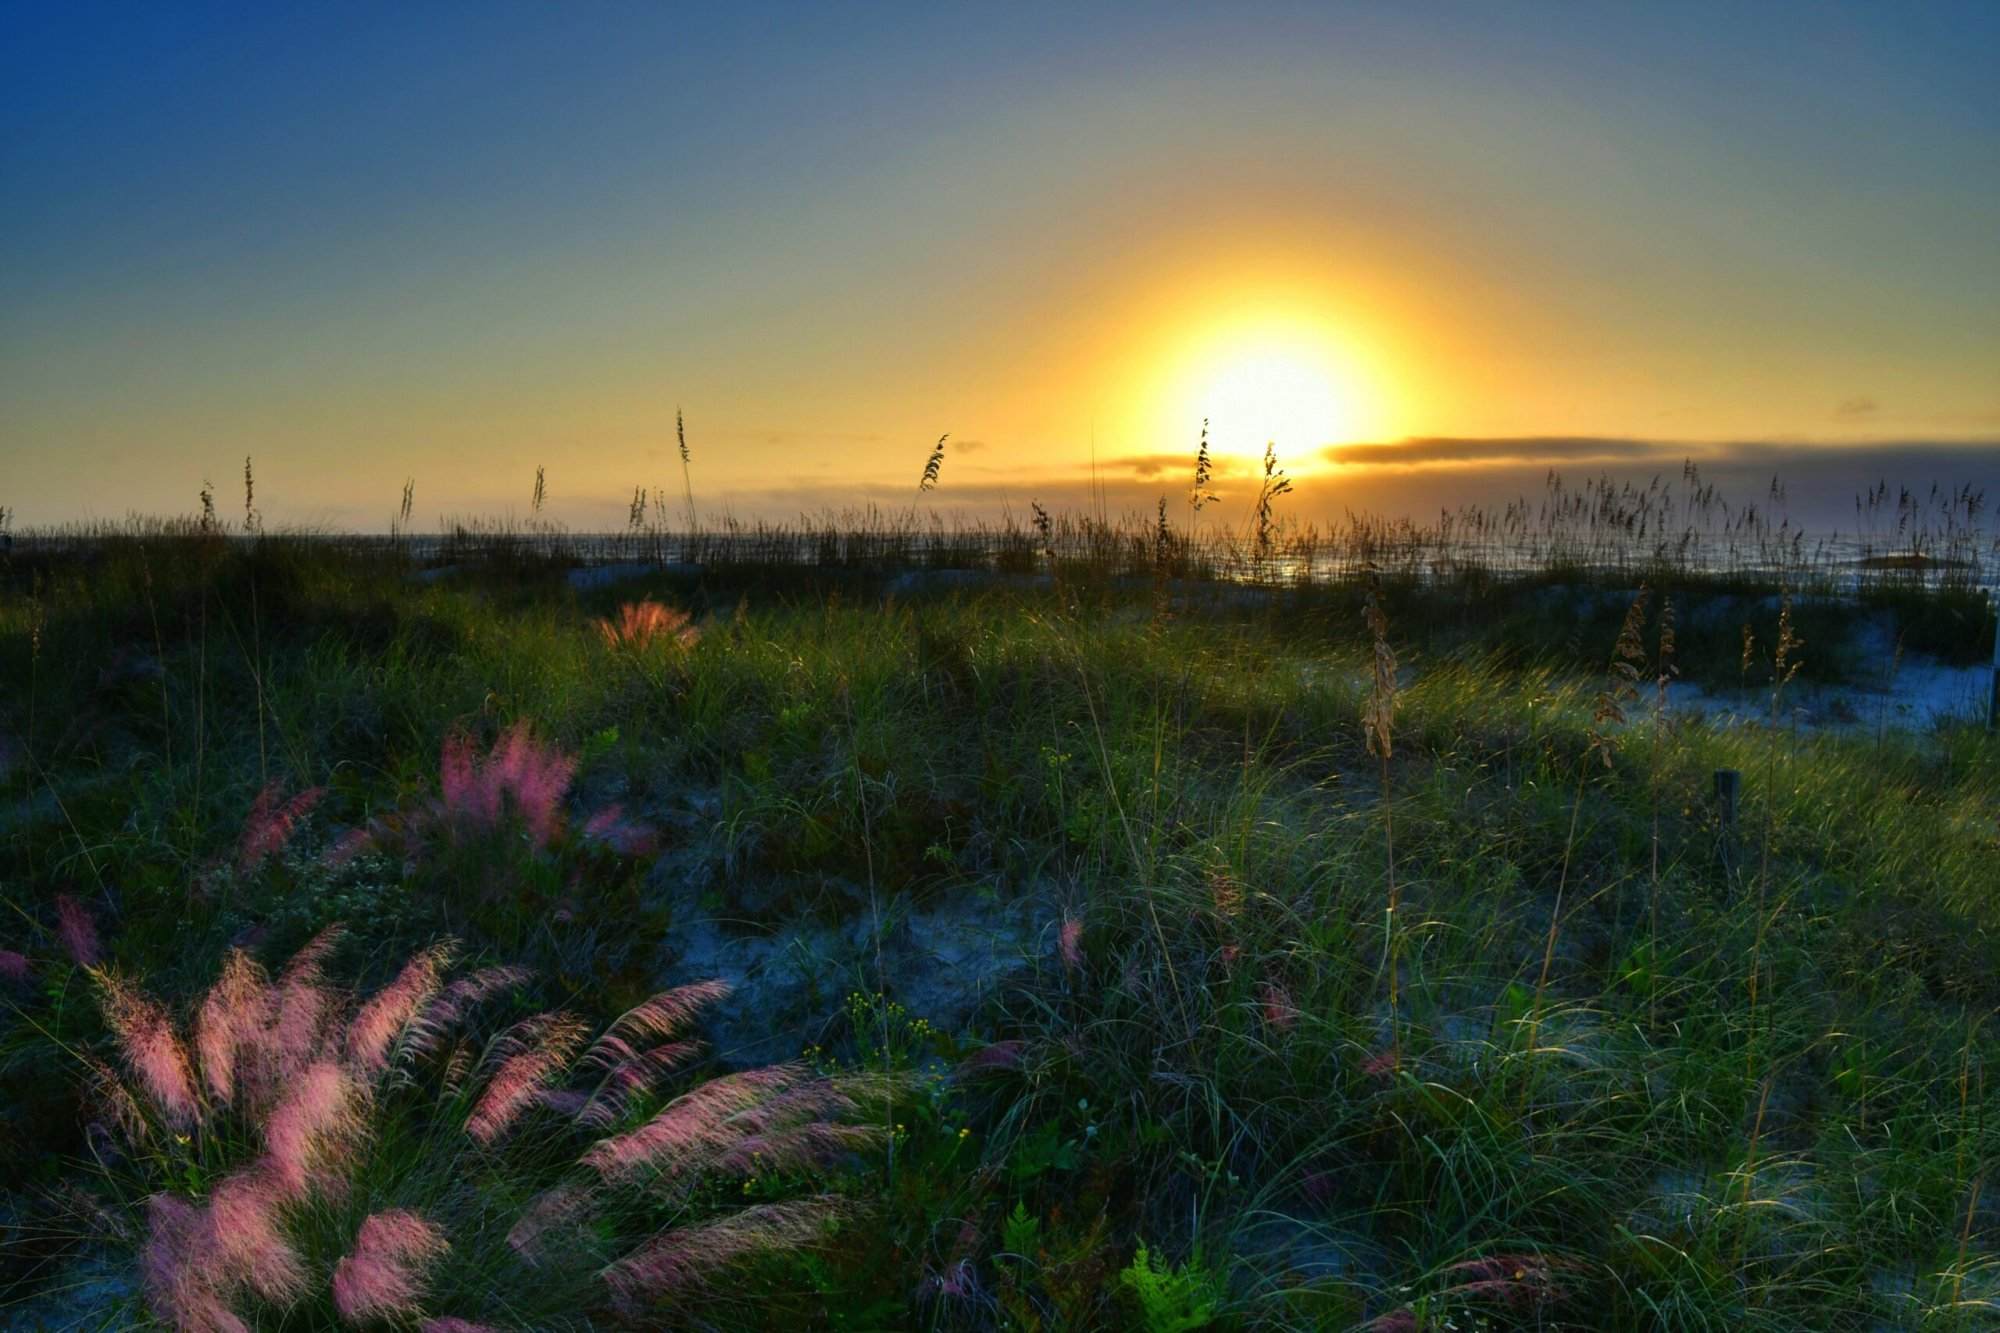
1728 788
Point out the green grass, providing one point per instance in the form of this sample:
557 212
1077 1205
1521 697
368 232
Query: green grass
1748 1092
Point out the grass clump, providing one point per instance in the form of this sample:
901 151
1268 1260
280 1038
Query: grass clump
1387 972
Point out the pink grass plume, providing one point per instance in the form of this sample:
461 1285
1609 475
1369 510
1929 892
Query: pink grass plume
177 1273
301 1015
806 1147
1517 1281
995 1056
545 1045
1280 1014
631 1079
385 1275
539 778
694 1127
386 1013
242 1241
1382 1064
535 777
348 846
312 1131
458 777
1069 943
112 1103
151 1050
231 1020
77 932
427 1031
554 1209
644 623
271 823
15 969
664 1015
679 1262
628 837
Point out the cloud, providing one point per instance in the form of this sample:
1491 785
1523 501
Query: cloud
1856 408
1446 451
1180 465
967 446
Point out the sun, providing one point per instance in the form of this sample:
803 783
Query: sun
1273 394
1289 381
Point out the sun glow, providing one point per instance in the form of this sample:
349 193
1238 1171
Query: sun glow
1273 394
1289 381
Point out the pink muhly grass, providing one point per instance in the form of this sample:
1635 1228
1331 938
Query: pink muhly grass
348 846
678 1260
694 1126
243 1240
310 960
389 1010
1518 1281
657 1019
791 1106
384 1277
546 1044
113 1103
458 777
450 1324
1069 943
151 1050
1280 1014
643 623
1382 1064
537 777
232 1018
298 1014
815 1144
311 1131
958 1282
301 1012
628 837
549 1210
271 823
14 967
179 1278
428 1029
632 1078
77 932
995 1055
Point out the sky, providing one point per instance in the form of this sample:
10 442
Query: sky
1425 251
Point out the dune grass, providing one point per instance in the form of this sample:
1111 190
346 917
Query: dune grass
1493 1022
